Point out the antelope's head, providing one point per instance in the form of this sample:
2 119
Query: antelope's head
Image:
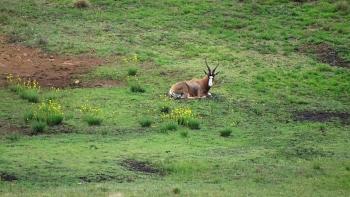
211 73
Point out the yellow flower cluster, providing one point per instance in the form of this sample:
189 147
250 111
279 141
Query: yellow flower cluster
29 84
50 107
179 113
131 59
86 108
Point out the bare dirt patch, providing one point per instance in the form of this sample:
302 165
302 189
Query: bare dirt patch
141 166
322 116
49 70
326 54
97 83
5 176
103 177
8 128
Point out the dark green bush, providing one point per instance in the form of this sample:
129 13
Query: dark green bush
184 134
146 122
226 132
93 120
193 124
54 119
165 109
137 88
170 126
30 95
38 127
132 71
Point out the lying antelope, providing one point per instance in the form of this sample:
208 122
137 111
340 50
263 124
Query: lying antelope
195 88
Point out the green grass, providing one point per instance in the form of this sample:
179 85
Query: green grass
264 81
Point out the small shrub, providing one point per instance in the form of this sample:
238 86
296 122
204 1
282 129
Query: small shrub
30 95
183 121
43 42
91 114
316 166
193 124
165 109
132 71
342 6
49 112
54 119
226 132
93 120
82 4
176 190
184 134
171 126
137 88
38 127
146 122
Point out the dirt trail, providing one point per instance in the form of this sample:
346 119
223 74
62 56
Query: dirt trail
49 70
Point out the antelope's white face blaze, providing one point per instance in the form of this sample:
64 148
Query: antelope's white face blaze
210 83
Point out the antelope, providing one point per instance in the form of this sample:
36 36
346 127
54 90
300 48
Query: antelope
194 88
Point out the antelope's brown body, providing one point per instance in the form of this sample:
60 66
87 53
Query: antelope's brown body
195 88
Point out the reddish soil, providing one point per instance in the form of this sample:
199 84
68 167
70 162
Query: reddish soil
326 54
8 128
322 116
49 70
97 83
141 166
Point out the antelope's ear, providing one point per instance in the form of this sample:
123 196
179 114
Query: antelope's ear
217 73
205 72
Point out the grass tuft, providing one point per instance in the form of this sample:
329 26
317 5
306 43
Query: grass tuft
193 124
176 190
184 134
170 126
132 71
146 122
226 132
137 88
93 120
38 127
30 95
54 119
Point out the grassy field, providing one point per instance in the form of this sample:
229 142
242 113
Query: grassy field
118 142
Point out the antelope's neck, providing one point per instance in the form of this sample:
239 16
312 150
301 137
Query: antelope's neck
205 83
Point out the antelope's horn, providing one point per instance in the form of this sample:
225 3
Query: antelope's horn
216 67
206 63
